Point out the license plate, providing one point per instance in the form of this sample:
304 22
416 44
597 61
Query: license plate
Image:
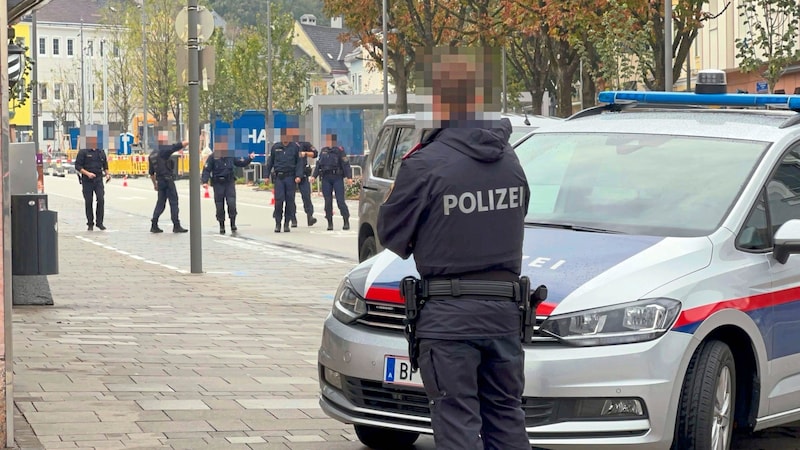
397 370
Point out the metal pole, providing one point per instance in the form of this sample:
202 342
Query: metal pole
83 85
505 83
103 50
580 77
385 56
667 45
143 138
689 73
35 81
268 124
195 238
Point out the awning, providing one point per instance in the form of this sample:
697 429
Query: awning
18 8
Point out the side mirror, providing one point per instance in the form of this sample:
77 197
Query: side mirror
787 241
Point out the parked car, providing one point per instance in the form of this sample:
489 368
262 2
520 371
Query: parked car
668 238
398 134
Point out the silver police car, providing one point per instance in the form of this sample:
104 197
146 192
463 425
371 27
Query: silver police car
668 237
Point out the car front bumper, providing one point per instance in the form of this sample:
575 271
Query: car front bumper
555 375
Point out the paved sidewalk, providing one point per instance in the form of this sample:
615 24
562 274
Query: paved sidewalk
136 353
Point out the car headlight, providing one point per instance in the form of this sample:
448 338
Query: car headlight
348 306
639 321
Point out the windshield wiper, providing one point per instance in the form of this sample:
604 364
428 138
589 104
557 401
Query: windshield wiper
573 227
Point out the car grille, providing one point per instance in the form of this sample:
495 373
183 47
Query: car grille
384 315
375 395
390 316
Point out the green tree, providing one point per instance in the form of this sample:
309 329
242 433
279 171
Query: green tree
770 44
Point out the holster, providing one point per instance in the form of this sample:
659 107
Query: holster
528 304
409 290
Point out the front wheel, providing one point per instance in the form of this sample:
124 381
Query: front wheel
706 410
384 438
368 249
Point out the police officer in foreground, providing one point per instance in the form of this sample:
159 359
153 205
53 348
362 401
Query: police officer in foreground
220 170
463 184
162 173
333 168
307 150
92 165
286 170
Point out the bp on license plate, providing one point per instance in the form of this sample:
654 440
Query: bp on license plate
397 370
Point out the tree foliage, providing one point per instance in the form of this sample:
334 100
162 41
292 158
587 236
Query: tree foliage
770 44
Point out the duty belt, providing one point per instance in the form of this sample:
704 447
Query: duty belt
458 287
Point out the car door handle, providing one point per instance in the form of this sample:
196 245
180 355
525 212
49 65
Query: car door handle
370 188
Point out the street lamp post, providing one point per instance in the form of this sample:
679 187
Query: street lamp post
195 238
667 45
143 137
385 55
268 112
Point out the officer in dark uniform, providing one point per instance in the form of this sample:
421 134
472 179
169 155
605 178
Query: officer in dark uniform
92 164
286 169
219 169
465 184
333 167
307 150
162 173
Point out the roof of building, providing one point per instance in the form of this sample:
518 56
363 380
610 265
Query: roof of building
71 11
329 44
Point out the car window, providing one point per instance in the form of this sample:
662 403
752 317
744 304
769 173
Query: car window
754 234
636 183
406 138
783 191
381 152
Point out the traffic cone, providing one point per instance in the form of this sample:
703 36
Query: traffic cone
206 194
125 181
272 202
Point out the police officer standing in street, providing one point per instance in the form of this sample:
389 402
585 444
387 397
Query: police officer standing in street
333 167
307 150
464 183
92 164
162 173
286 169
219 169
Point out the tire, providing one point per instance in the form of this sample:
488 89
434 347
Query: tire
384 438
368 249
708 398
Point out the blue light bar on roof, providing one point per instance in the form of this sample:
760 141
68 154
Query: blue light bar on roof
690 98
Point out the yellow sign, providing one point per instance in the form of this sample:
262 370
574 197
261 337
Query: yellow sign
21 115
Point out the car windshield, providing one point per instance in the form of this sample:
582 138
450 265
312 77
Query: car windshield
635 183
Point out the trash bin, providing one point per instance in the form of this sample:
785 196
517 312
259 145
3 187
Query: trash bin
34 236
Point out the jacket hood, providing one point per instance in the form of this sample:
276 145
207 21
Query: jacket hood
482 144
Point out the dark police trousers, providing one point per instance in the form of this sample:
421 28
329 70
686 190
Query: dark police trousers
225 191
475 389
166 191
93 187
334 184
284 192
305 193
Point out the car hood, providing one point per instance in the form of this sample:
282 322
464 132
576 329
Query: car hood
582 270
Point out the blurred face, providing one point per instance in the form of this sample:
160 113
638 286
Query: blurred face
289 135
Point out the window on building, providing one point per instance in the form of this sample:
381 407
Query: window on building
42 46
57 91
116 51
71 91
56 49
70 47
102 48
43 91
67 125
48 130
90 49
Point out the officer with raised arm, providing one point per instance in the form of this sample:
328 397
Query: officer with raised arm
307 150
162 173
464 184
286 170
